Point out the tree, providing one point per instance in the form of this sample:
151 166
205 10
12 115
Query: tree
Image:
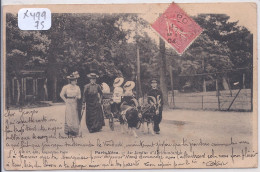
222 46
236 38
24 50
163 68
86 43
107 44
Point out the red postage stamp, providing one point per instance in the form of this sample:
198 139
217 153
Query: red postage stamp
177 28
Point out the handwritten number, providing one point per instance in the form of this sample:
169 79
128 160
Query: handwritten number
38 15
33 15
42 23
37 24
37 18
44 15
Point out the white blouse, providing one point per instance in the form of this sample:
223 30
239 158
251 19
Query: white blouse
118 93
70 91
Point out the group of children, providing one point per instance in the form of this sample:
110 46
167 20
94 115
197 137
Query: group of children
123 97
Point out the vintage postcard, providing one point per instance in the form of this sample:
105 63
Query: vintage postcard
130 86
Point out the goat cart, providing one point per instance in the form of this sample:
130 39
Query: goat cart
112 112
125 115
114 115
107 103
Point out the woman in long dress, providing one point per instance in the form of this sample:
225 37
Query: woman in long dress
92 97
70 94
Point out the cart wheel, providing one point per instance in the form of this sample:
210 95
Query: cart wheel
111 122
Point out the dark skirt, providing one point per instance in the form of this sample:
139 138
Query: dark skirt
94 116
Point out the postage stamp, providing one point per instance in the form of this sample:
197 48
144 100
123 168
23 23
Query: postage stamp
177 28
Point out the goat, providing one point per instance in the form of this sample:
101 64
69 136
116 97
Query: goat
130 115
148 113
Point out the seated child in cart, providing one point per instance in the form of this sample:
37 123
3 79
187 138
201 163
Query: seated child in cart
117 96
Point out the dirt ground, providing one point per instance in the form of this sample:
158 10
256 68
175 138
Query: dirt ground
188 139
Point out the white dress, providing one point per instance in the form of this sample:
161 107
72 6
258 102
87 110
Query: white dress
118 93
71 93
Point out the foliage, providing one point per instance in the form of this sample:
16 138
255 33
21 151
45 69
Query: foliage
107 44
24 49
221 47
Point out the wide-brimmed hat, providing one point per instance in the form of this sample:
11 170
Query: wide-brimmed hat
118 82
76 74
129 85
92 76
154 81
105 88
71 77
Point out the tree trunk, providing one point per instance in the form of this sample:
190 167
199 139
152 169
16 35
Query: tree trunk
139 89
204 85
229 86
18 92
52 73
163 68
8 93
244 79
54 97
46 98
218 93
225 83
204 82
172 89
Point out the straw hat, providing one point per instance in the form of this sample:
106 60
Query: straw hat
92 76
76 74
154 81
129 85
71 77
105 88
118 82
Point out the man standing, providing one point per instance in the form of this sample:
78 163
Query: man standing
157 94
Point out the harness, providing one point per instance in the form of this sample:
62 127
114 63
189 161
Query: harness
123 113
148 113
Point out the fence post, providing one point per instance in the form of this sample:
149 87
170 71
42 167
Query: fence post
234 99
251 89
244 78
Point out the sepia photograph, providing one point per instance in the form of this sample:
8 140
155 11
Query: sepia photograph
133 86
